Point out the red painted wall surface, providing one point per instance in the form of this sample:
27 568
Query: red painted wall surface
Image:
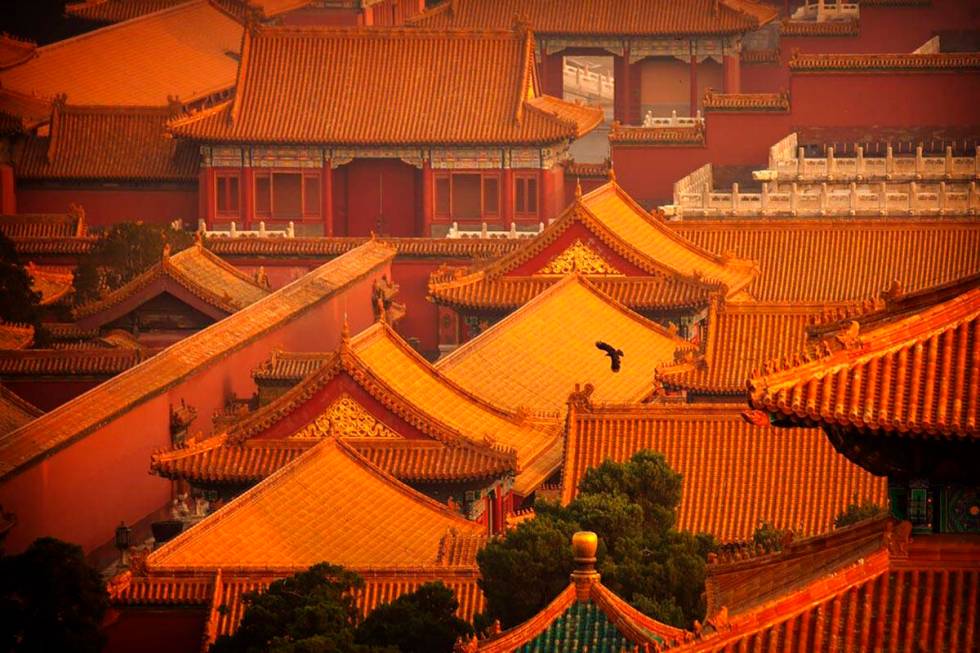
386 187
82 491
148 630
109 206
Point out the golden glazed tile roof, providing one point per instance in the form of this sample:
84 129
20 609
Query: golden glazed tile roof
603 17
774 102
20 112
52 283
917 593
27 226
740 338
669 136
15 336
478 248
290 520
290 366
735 474
116 11
14 411
85 413
536 355
685 273
111 143
194 269
835 28
912 374
305 85
843 260
91 361
179 52
14 51
886 63
536 440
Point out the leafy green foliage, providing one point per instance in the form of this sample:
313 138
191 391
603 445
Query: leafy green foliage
310 612
423 621
856 512
768 536
632 507
125 251
18 302
51 600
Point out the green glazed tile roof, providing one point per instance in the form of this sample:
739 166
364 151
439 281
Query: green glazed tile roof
582 628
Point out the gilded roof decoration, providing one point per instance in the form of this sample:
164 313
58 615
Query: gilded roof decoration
579 257
345 418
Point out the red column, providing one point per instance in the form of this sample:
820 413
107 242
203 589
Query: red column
507 199
733 73
326 197
546 184
248 197
694 78
206 191
8 198
428 203
498 511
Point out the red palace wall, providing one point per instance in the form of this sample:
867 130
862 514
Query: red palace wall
49 394
835 100
381 187
82 491
109 206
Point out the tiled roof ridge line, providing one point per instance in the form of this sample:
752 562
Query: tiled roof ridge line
707 410
386 31
631 622
871 62
283 474
383 330
919 326
788 605
144 17
8 395
545 295
346 360
528 76
203 250
528 630
241 81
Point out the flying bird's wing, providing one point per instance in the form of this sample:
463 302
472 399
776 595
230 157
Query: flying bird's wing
606 347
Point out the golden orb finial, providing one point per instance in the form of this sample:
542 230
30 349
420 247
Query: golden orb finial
584 545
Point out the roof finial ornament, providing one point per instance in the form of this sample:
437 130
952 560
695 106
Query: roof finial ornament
612 172
578 188
584 545
199 238
166 250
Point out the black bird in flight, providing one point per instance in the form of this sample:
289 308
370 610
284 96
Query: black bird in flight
613 353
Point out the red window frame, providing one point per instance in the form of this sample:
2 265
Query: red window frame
486 176
306 176
527 198
227 201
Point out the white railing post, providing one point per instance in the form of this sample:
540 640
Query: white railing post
202 226
918 161
883 199
824 198
949 161
800 162
971 198
233 229
859 156
792 199
734 198
765 198
262 228
831 162
290 230
889 161
852 199
483 230
942 198
913 189
513 230
706 196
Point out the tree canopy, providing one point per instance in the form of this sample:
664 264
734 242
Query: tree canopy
18 301
51 600
423 621
632 507
856 512
126 250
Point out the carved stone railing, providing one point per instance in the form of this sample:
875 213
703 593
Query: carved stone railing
859 167
823 199
486 231
582 81
822 10
234 232
650 120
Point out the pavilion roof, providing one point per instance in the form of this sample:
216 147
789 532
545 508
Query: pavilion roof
736 475
182 52
15 336
290 366
843 260
20 112
604 17
600 623
865 587
536 355
108 142
117 11
14 411
82 415
196 270
54 284
537 440
311 85
273 435
740 338
290 520
685 272
46 226
92 360
907 370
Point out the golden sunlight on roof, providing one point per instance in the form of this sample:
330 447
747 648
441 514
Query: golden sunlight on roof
292 520
536 355
180 52
537 441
